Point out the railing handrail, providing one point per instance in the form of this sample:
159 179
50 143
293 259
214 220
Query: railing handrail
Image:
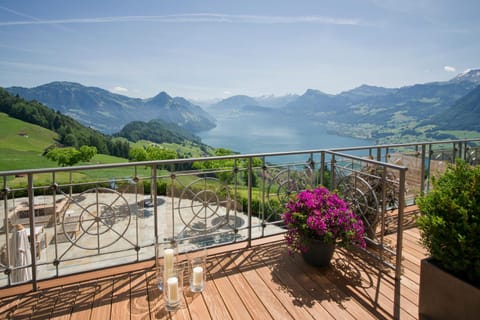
410 144
371 161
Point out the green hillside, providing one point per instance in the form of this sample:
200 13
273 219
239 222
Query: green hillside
24 136
22 144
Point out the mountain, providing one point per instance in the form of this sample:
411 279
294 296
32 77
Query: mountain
275 101
93 107
470 75
239 102
109 112
178 111
365 91
233 103
381 106
419 102
463 115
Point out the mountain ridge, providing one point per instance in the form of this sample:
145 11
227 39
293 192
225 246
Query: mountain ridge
380 108
109 112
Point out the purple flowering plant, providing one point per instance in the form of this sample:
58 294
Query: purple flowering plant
321 214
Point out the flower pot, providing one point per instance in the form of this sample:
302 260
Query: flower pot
318 253
444 296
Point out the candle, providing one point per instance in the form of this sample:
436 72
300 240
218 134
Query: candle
168 257
197 277
172 295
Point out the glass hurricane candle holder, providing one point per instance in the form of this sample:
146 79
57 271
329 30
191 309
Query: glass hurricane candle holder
165 260
173 288
198 270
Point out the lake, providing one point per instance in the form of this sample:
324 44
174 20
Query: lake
261 132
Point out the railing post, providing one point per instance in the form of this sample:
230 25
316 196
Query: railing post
4 193
55 218
430 153
398 260
422 170
70 182
332 172
311 165
33 248
322 168
262 204
249 209
454 152
153 190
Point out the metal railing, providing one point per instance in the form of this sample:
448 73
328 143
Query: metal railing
90 217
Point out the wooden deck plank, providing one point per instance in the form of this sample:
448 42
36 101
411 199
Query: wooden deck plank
23 310
121 298
139 308
101 306
64 304
233 302
335 295
362 281
213 299
181 314
196 306
317 296
254 306
156 304
45 304
293 292
84 301
384 291
9 304
247 267
283 295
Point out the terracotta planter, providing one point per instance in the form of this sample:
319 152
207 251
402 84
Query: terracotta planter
318 254
444 296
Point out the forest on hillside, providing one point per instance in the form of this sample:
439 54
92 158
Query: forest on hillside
70 132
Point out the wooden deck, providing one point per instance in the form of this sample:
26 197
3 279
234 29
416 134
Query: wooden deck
258 282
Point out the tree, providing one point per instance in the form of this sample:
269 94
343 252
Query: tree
157 153
87 153
137 154
64 156
71 156
70 140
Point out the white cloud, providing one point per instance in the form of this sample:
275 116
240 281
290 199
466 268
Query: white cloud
198 18
119 89
449 69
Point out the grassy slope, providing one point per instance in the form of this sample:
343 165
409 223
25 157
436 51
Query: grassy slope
25 152
21 152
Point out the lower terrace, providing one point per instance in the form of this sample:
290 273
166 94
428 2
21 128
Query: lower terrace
95 229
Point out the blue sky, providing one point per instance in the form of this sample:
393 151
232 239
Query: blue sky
201 49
